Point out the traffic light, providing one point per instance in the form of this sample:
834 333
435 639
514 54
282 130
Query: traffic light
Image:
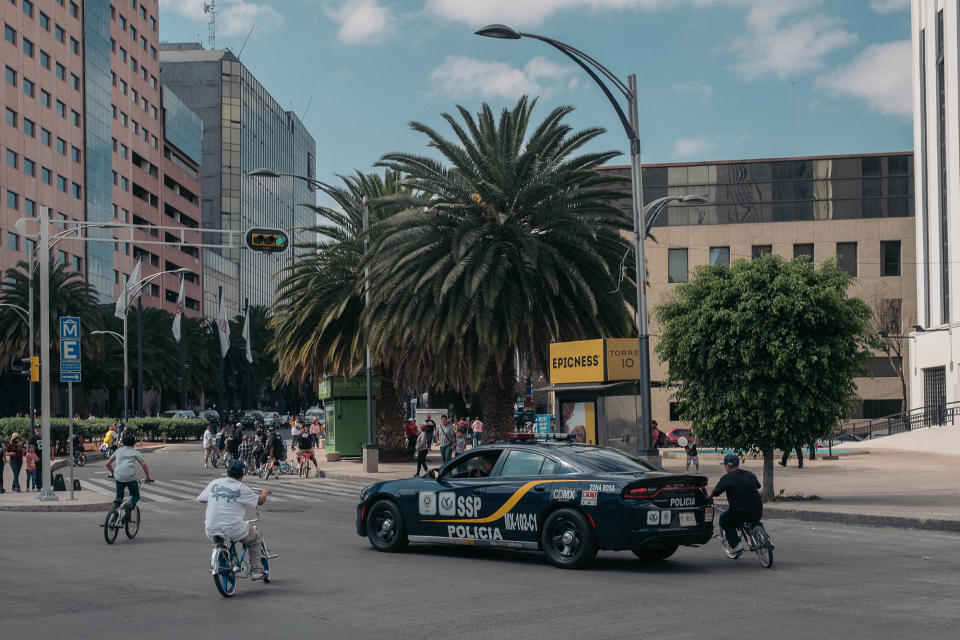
28 367
34 369
267 240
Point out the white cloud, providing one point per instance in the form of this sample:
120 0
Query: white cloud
361 21
521 13
694 88
234 17
462 76
880 75
889 6
780 43
696 146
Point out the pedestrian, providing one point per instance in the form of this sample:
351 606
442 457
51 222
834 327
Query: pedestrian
245 452
33 469
690 446
3 459
234 437
655 435
15 452
295 429
315 431
477 428
445 438
208 448
37 442
431 427
786 456
410 431
461 437
423 446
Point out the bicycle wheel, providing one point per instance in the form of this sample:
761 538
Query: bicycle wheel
763 546
110 528
265 561
225 578
132 525
81 459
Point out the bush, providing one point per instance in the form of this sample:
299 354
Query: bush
153 429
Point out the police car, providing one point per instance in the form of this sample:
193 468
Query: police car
566 500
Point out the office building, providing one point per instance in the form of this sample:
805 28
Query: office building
244 128
857 209
935 359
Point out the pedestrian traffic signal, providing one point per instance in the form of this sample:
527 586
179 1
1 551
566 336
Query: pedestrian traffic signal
267 240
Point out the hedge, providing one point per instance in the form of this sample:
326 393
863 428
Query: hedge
93 430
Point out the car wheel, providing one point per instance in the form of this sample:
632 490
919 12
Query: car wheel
656 554
385 527
568 540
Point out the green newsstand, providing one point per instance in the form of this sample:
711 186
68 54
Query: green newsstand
345 412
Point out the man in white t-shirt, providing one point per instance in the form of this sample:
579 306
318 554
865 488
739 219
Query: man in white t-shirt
227 500
208 446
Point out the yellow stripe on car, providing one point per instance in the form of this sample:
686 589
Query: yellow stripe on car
507 506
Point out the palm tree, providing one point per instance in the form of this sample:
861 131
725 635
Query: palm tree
513 243
317 315
244 379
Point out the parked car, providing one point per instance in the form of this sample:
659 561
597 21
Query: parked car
248 418
675 434
272 419
212 417
312 412
179 413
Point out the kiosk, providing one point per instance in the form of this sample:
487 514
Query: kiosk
345 412
597 391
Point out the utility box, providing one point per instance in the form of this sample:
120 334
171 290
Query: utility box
345 412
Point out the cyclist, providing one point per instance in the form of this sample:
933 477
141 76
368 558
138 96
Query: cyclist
273 451
124 472
304 444
226 500
109 439
745 503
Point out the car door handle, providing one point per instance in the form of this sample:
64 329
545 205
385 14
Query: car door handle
540 488
477 492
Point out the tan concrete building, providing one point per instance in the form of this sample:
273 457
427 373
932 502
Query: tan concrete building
857 209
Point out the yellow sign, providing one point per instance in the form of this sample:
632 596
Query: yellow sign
580 361
34 368
623 359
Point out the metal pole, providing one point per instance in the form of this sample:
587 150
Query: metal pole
222 390
246 377
183 363
140 353
70 409
639 228
46 493
30 255
371 456
126 375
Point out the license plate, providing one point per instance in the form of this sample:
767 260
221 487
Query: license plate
688 519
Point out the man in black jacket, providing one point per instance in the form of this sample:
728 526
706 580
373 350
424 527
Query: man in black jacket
745 503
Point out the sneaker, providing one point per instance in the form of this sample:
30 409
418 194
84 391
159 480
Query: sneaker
736 551
256 574
3 490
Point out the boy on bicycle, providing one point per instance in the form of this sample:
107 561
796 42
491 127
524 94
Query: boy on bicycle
227 500
304 444
122 468
745 503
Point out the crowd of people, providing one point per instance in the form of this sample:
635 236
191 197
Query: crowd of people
263 449
451 437
23 455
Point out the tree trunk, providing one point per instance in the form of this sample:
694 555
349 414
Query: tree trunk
766 492
499 395
389 419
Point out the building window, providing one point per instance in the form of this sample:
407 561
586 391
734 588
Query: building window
13 200
13 241
847 257
720 255
29 207
29 167
59 33
75 190
29 127
12 158
11 76
62 258
61 109
759 249
28 88
800 250
10 34
44 98
890 258
44 21
27 47
61 146
677 265
75 46
75 118
11 117
942 157
61 72
875 409
44 59
61 184
75 81
75 12
46 176
77 263
45 137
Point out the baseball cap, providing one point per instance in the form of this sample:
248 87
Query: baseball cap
731 458
236 468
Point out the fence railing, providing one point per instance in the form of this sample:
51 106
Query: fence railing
928 416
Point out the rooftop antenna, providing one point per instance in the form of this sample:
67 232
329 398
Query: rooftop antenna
211 8
245 41
793 110
307 108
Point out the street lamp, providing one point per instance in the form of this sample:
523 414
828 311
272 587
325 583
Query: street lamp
630 126
370 452
652 209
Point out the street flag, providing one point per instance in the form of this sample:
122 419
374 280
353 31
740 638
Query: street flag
178 314
246 334
120 309
223 327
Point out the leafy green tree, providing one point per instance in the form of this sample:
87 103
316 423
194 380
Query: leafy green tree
510 242
765 353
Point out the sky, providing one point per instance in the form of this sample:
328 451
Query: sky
718 79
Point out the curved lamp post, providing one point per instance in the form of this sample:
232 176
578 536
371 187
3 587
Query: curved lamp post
370 453
599 73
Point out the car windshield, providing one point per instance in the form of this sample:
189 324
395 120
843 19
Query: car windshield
611 460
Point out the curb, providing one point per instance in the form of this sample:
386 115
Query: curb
58 506
861 519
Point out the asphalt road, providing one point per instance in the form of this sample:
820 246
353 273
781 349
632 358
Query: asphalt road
60 579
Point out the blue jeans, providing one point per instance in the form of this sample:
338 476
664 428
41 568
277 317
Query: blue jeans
446 453
15 470
477 439
133 487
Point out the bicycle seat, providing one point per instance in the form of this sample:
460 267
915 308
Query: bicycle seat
219 538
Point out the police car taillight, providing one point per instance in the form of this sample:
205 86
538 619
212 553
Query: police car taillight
639 493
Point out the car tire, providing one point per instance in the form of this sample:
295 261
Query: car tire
655 554
385 528
568 540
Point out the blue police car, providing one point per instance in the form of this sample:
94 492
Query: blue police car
566 500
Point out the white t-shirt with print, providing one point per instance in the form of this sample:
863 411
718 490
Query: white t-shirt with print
227 500
207 439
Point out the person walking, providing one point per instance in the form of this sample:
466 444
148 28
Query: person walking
477 428
315 431
655 435
208 448
410 431
37 443
15 452
423 446
786 456
33 469
445 438
431 427
461 443
3 460
690 446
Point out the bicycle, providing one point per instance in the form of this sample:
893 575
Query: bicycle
754 537
79 457
118 518
306 457
226 565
